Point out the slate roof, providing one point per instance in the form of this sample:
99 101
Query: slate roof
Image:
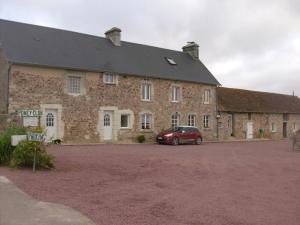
238 100
43 46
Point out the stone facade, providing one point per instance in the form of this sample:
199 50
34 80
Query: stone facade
81 116
259 120
3 83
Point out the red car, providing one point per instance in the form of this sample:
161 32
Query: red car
180 135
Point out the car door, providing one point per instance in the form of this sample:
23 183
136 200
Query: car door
187 134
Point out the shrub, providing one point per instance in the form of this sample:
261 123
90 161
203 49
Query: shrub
5 141
141 138
261 131
23 155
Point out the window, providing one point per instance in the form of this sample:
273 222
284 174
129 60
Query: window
206 96
295 127
175 120
206 121
249 116
109 78
74 84
124 121
146 121
273 127
106 120
49 120
146 92
175 94
285 117
171 61
192 120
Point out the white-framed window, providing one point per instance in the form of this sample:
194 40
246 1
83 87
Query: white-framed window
146 121
175 94
146 92
206 121
50 120
125 121
175 120
273 127
295 127
74 83
206 96
109 78
192 120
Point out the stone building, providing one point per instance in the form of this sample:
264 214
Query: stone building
94 89
245 114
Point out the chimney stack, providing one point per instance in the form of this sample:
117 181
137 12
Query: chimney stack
192 49
114 35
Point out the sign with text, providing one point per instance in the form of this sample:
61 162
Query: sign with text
30 113
30 121
36 137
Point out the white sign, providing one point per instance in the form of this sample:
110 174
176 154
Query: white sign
30 113
30 121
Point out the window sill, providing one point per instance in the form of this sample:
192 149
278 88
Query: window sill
75 95
125 128
273 131
175 101
206 103
146 131
145 100
207 129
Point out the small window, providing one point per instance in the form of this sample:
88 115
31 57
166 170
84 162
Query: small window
273 127
171 61
192 120
206 96
206 121
50 120
109 78
285 117
175 94
74 84
146 92
249 116
124 121
175 120
106 120
146 121
295 127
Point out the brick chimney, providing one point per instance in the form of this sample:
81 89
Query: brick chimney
192 49
114 35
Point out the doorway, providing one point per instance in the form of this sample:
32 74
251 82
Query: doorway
107 124
284 132
51 124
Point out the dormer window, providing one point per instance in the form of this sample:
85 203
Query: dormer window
109 78
171 61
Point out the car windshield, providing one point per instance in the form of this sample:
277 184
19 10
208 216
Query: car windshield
175 129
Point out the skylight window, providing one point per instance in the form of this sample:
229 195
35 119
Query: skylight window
171 61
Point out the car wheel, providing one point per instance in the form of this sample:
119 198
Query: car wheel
175 141
199 141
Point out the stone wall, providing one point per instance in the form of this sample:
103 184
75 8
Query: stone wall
3 83
259 120
32 87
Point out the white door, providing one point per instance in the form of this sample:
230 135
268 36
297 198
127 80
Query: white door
107 123
249 130
51 124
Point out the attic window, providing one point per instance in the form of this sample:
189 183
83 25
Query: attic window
171 61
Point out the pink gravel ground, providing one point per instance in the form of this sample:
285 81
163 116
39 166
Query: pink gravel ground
255 183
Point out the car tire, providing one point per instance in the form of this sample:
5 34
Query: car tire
198 141
175 141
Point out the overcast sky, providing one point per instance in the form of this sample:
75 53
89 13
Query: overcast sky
251 44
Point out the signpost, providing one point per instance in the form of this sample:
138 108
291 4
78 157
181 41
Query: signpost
31 118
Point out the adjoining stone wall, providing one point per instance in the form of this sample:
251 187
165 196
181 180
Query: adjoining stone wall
259 120
3 122
31 87
3 83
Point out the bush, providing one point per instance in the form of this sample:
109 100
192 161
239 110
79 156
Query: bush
141 138
5 142
23 155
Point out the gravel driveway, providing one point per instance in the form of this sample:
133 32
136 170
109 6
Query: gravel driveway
255 183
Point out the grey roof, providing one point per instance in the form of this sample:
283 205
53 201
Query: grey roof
43 46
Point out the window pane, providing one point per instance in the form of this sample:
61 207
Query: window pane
146 91
74 85
175 120
146 121
109 78
124 120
